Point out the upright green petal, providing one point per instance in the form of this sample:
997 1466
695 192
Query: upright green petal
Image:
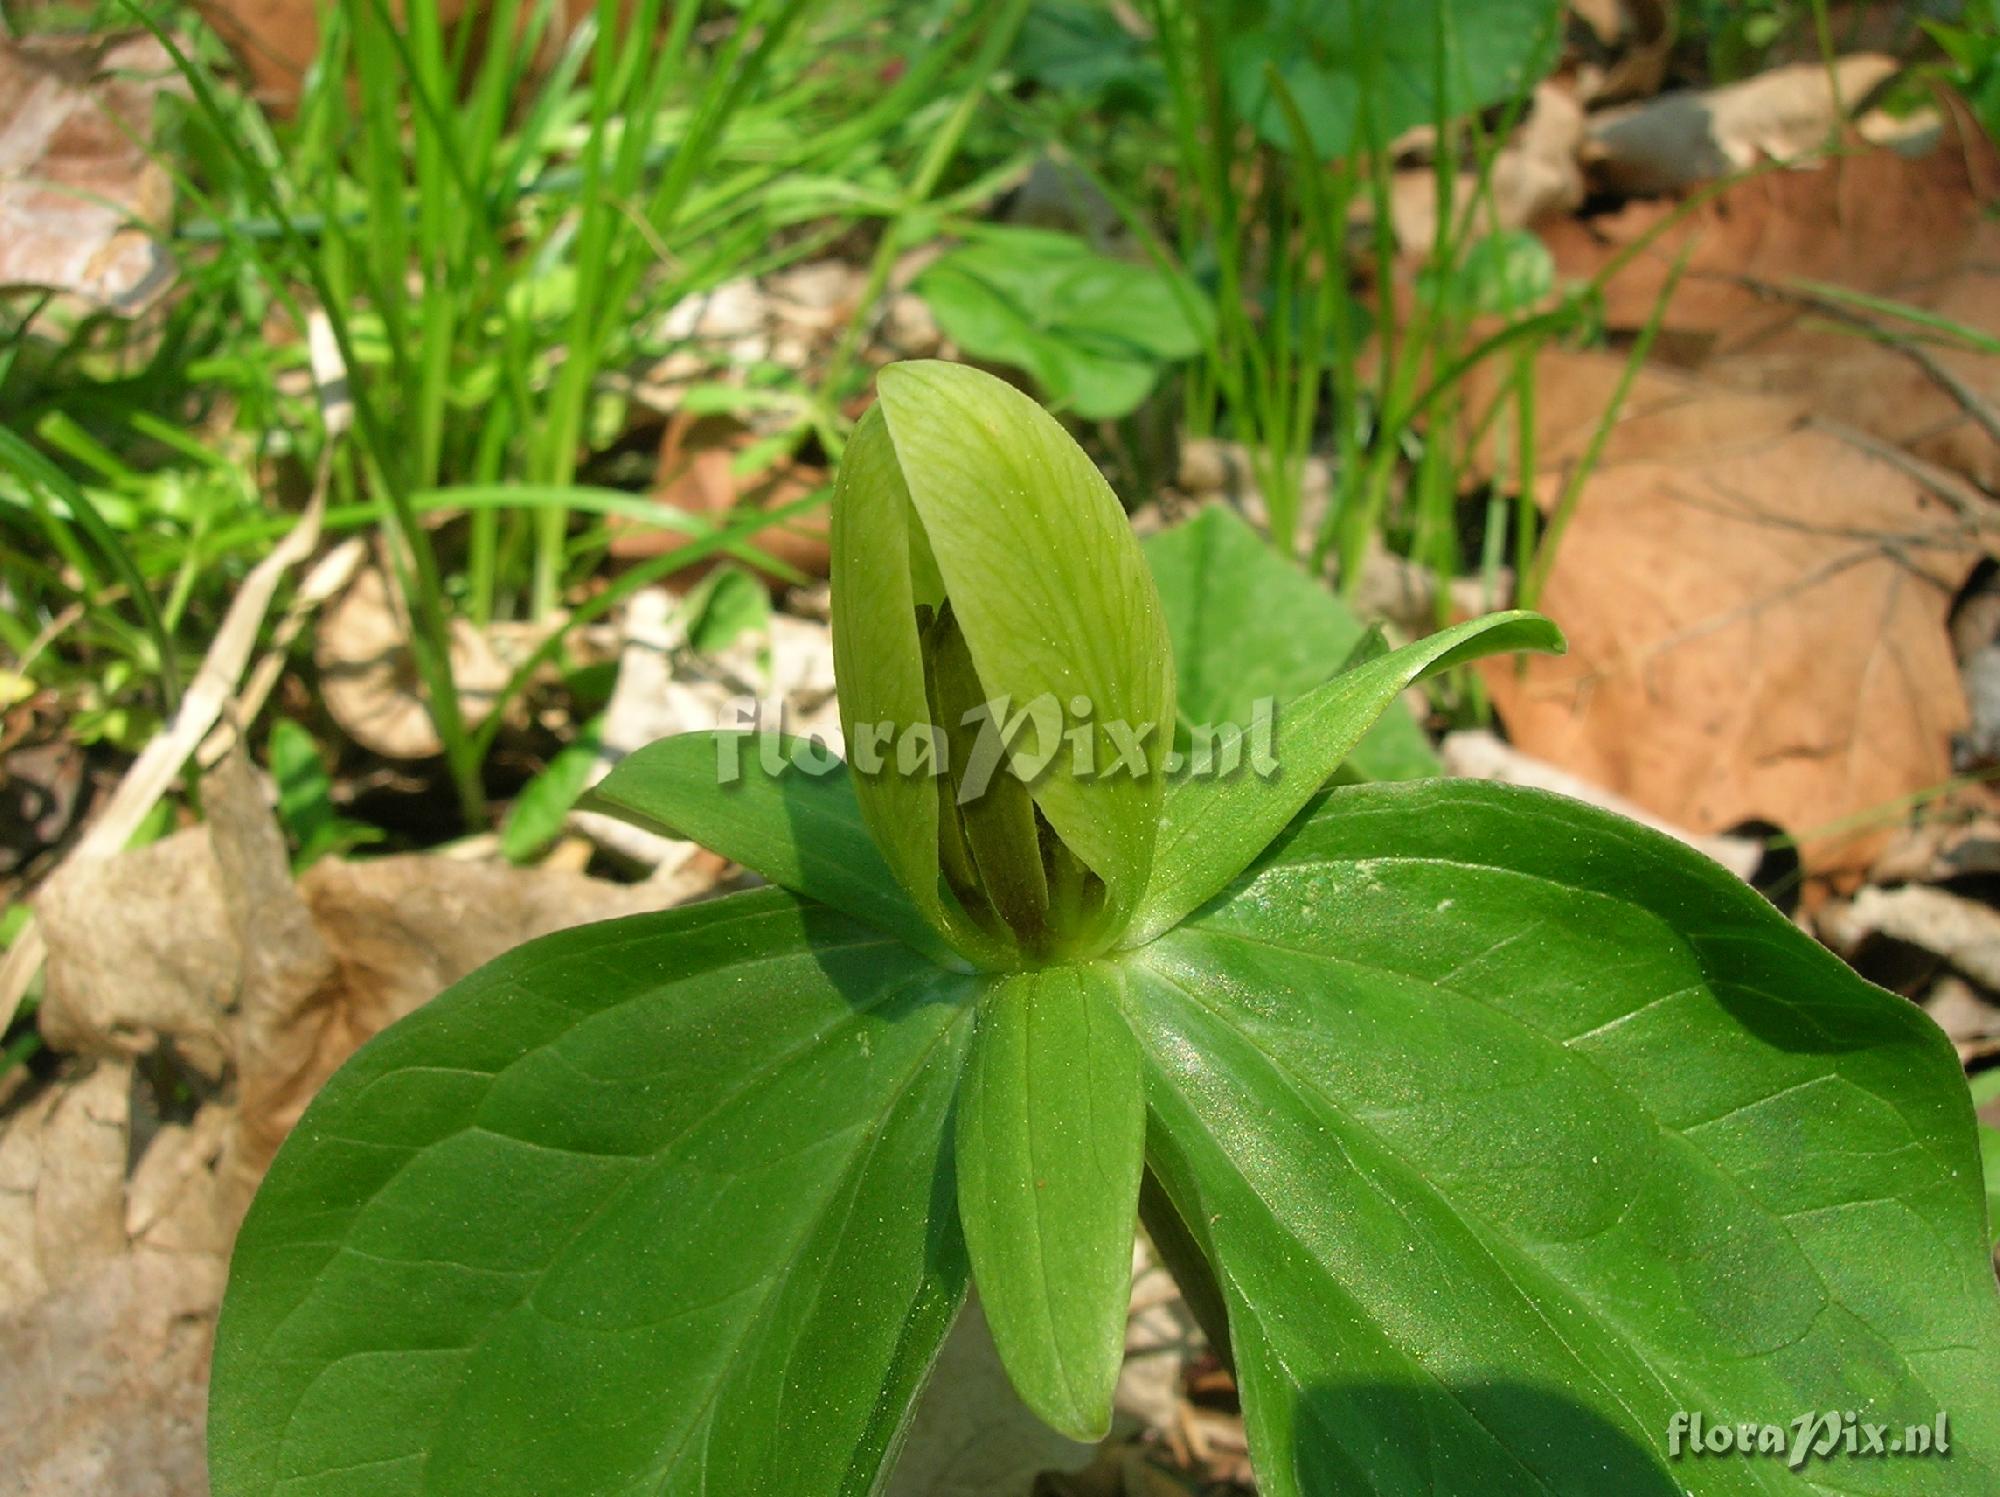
1054 598
879 563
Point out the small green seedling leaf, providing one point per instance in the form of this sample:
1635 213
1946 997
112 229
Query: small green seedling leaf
1094 332
728 604
305 798
1077 47
537 815
1050 1140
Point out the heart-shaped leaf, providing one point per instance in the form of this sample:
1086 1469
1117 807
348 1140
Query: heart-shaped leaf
1094 332
1051 1144
1516 1129
661 1205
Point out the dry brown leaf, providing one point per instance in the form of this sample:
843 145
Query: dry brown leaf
108 1292
1915 230
1627 45
1756 611
40 787
172 1202
368 678
1952 928
74 169
1826 356
1691 136
140 953
1874 221
697 477
62 1184
1958 837
1969 1019
283 965
107 1382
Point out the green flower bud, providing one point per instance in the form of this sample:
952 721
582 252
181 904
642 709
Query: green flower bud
1006 683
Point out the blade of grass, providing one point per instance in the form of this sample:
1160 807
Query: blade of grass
34 469
1537 575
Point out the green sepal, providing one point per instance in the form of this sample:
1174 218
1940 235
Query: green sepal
1249 627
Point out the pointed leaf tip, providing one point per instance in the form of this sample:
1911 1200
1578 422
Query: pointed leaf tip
1214 827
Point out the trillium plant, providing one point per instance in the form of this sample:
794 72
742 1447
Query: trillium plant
1498 1142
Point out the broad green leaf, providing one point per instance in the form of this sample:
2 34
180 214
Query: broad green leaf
1248 627
663 1205
1517 1128
1332 54
1053 596
1214 823
1077 46
1051 1141
1989 1151
782 807
1093 331
537 815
